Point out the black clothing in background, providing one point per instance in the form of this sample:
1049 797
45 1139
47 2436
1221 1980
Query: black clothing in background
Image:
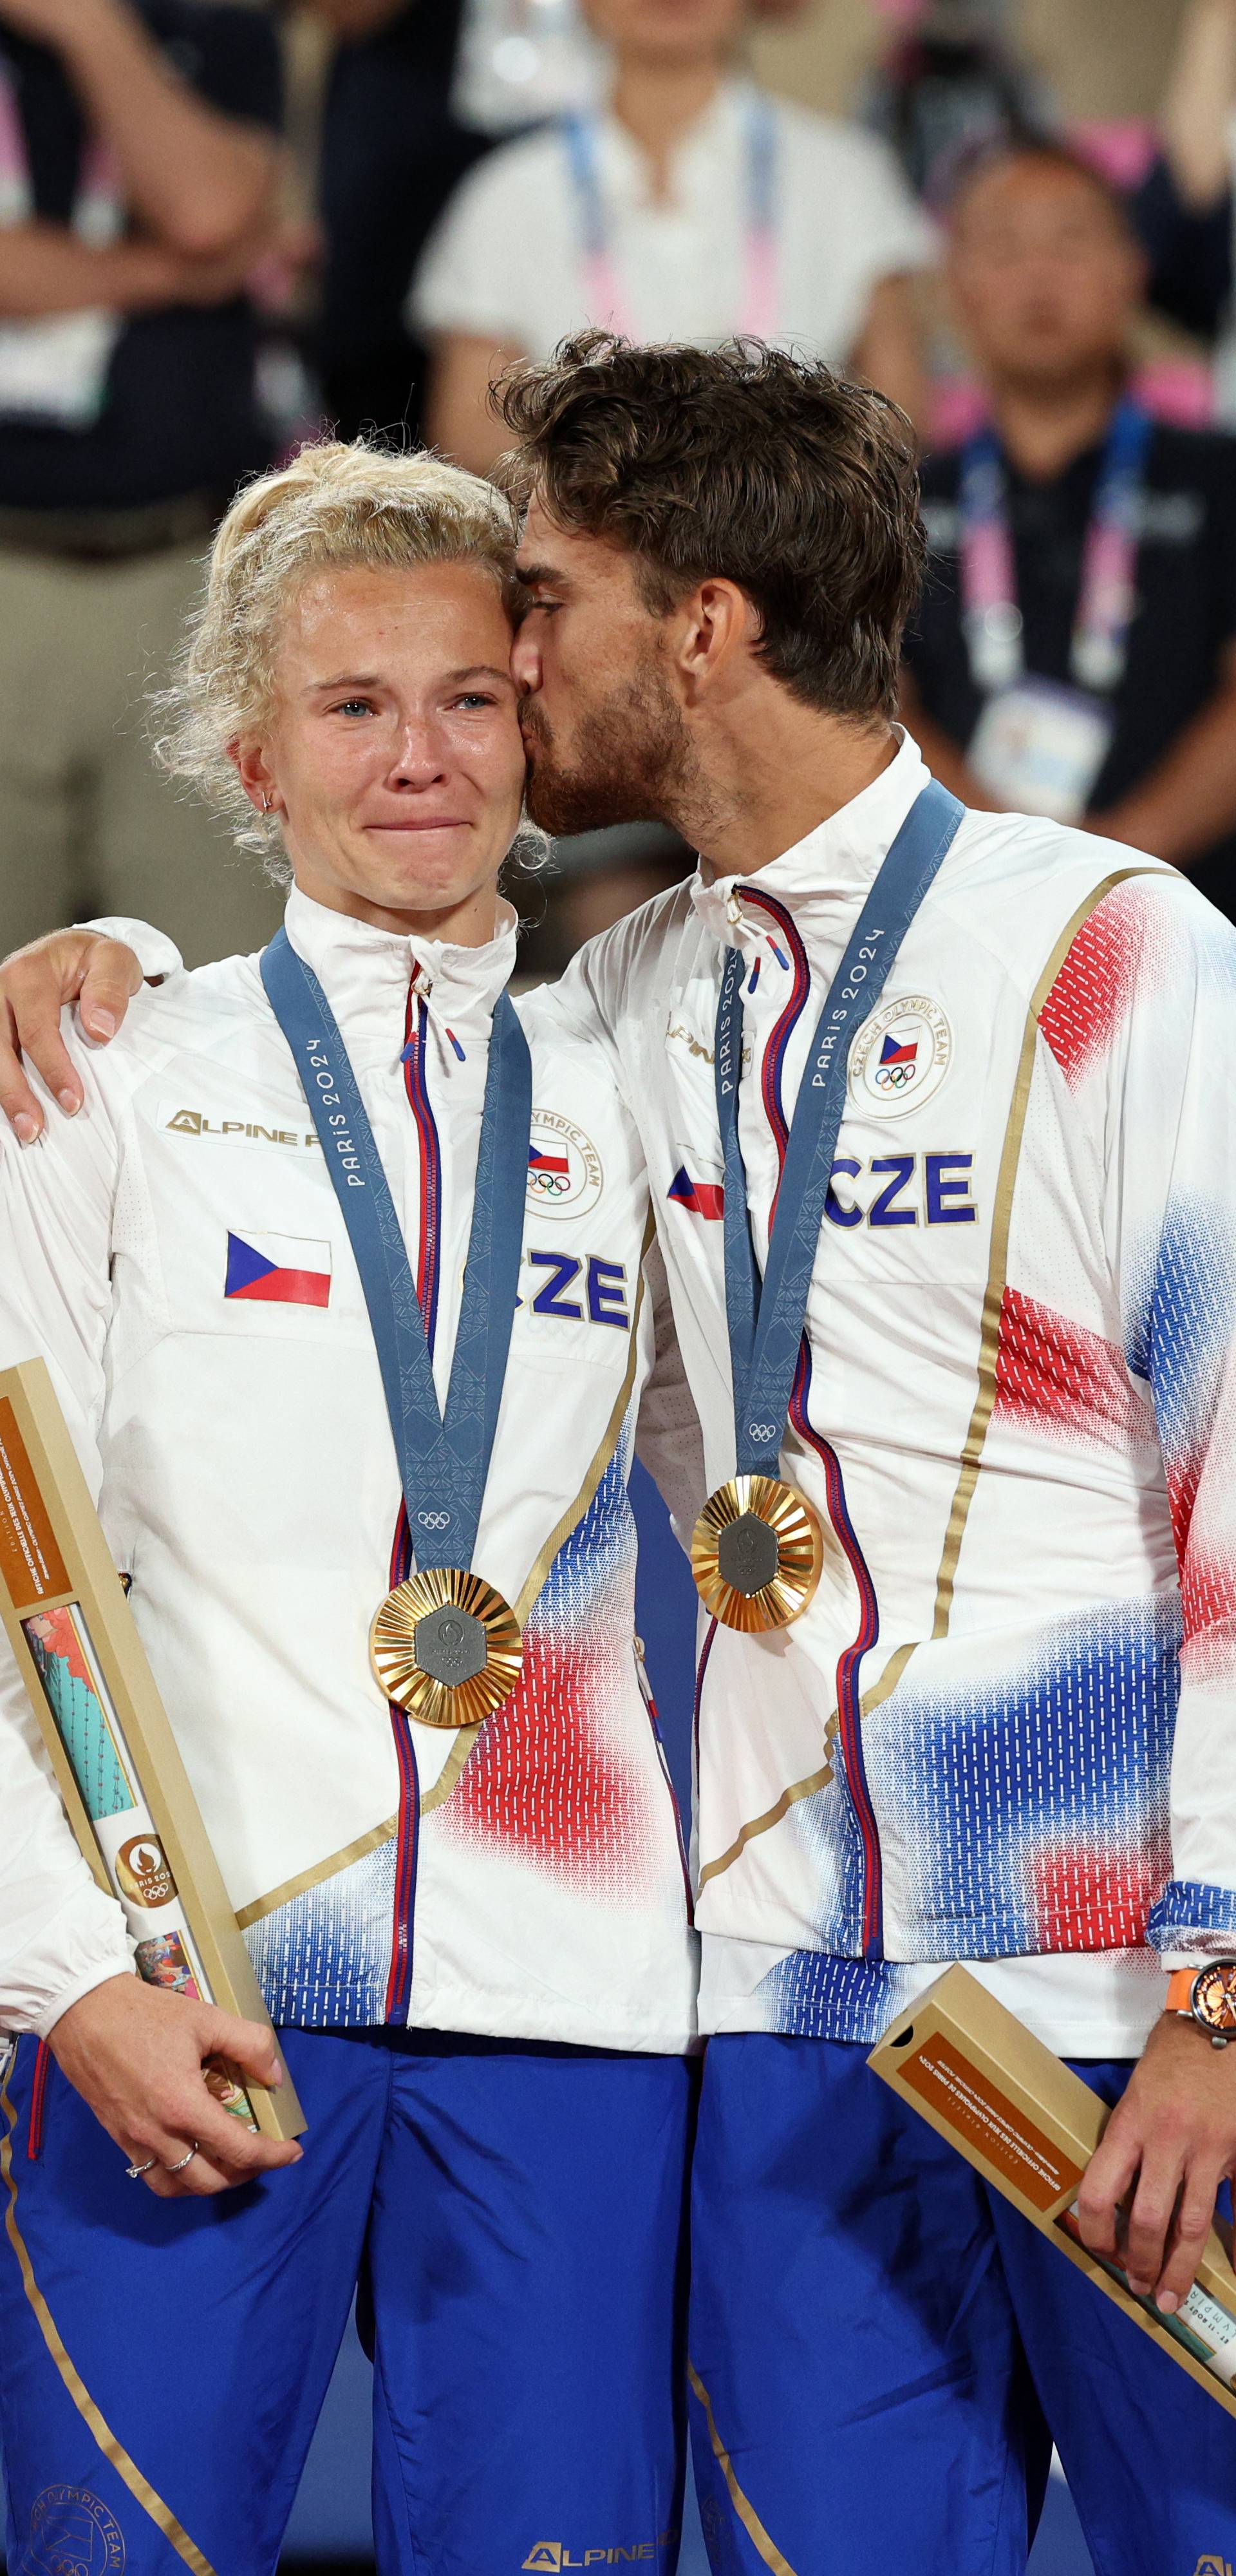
1184 622
940 96
1189 254
180 415
391 155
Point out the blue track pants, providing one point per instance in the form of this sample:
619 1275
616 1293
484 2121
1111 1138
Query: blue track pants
882 2351
514 2217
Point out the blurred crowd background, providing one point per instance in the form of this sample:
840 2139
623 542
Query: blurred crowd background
226 224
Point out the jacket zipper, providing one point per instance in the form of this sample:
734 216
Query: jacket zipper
849 1706
407 1830
849 1709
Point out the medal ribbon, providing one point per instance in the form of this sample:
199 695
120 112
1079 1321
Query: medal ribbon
766 1321
1107 597
761 292
443 1457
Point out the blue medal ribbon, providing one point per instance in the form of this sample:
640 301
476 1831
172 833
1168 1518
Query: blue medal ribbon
443 1456
766 1319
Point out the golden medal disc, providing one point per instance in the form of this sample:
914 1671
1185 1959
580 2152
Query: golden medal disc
757 1551
446 1647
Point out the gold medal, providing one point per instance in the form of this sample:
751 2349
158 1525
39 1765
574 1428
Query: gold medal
446 1647
756 1553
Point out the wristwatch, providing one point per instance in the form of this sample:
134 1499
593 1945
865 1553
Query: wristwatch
1208 1997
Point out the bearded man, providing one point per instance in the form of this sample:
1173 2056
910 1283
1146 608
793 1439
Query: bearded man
945 1183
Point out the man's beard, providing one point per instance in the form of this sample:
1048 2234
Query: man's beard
634 764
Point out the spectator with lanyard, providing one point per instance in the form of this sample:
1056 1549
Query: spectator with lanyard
1075 653
409 96
137 163
692 208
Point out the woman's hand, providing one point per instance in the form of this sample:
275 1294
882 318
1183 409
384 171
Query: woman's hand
142 2060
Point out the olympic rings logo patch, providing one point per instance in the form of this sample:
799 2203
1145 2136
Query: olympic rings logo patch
564 1167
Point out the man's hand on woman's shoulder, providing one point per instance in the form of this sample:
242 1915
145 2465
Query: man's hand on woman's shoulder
82 967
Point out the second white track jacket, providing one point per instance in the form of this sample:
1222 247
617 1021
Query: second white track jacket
177 1255
1005 1729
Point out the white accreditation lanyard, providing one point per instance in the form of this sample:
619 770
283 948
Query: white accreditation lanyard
1040 744
55 369
607 302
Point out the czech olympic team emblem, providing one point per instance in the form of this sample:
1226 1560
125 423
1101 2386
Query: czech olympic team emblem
564 1167
73 2534
900 1056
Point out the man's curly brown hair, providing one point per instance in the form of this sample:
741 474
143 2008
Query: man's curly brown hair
742 463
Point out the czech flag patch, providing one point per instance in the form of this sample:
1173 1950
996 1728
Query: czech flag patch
277 1270
703 1198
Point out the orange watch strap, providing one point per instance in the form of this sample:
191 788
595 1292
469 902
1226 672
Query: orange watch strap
1180 1990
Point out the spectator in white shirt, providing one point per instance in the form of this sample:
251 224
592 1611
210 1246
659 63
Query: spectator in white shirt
693 207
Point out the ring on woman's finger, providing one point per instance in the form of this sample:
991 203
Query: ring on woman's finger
135 2172
185 2160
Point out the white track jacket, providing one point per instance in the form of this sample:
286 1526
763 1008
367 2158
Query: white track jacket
177 1255
1006 1728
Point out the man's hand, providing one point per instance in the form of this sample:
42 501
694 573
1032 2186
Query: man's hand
100 975
137 2055
199 181
1173 2136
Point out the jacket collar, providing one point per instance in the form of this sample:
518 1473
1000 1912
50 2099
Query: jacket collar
821 879
365 973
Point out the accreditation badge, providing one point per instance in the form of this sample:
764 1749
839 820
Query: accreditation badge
1039 747
446 1647
757 1552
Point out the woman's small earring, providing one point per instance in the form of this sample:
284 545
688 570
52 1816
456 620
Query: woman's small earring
266 805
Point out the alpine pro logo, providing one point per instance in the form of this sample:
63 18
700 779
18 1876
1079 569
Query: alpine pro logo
564 1167
900 1056
551 2555
177 1121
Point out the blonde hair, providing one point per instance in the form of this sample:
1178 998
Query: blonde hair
337 504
